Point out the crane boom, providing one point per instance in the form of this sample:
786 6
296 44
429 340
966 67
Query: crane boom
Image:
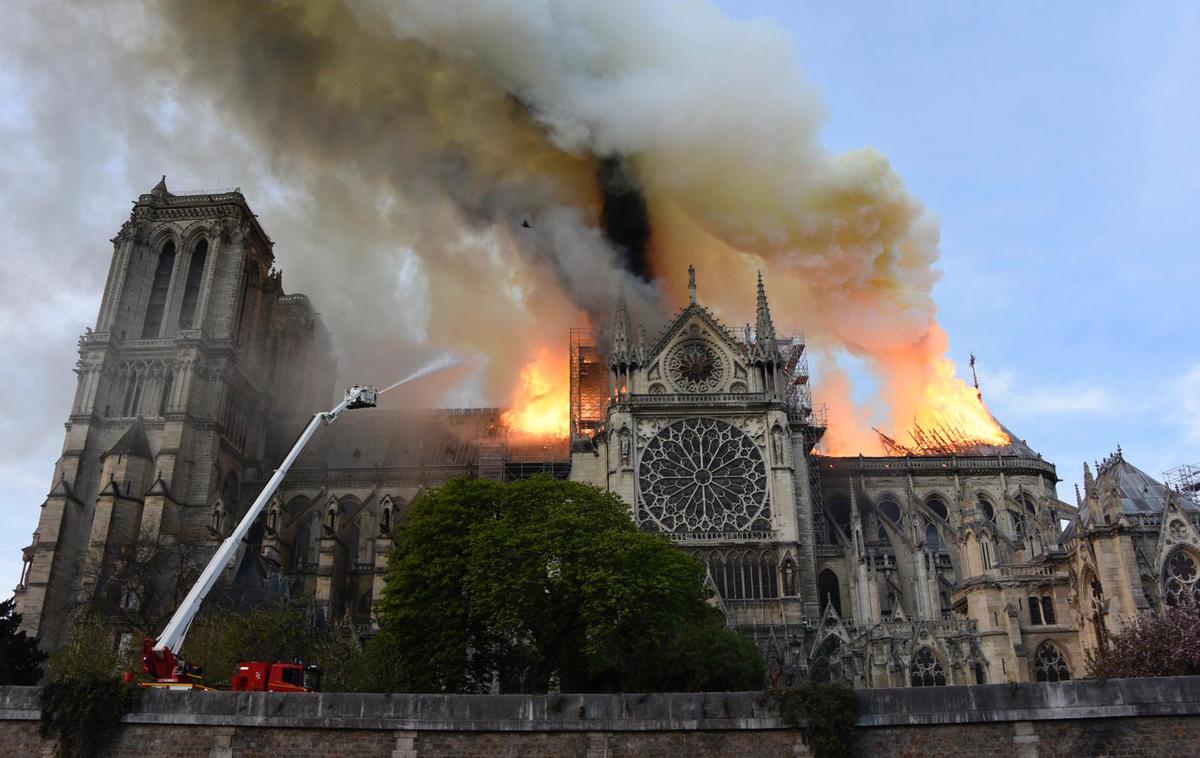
171 639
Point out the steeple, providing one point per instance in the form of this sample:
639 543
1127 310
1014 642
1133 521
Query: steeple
160 189
621 342
766 347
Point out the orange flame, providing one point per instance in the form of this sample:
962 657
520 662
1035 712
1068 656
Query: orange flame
932 410
950 403
540 403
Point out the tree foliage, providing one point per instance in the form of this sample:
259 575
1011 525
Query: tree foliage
84 699
539 582
140 586
1166 644
830 712
277 631
92 654
20 658
83 714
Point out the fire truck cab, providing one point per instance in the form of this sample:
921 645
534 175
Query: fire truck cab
261 676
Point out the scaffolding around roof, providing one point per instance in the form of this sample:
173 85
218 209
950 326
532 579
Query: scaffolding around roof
1185 480
589 385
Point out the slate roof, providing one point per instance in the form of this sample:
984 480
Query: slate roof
1138 493
403 439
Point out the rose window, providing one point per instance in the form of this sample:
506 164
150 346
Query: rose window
1178 530
695 367
1183 580
703 475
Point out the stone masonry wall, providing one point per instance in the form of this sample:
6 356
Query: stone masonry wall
1136 717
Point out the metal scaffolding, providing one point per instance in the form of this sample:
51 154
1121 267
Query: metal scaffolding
1185 480
589 384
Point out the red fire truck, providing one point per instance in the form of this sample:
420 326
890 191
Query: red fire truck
158 655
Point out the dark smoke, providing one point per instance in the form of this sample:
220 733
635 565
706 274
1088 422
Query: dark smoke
624 216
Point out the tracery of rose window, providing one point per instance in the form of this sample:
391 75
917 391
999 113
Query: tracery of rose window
695 367
1182 579
703 475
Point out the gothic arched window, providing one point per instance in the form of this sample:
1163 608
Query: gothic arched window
1049 664
980 673
891 509
385 520
1048 609
820 670
164 398
938 506
838 512
1027 502
985 508
1181 583
158 291
933 540
1018 524
829 591
926 670
248 302
191 290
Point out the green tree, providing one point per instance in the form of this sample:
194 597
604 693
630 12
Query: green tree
274 631
340 656
92 654
20 659
542 581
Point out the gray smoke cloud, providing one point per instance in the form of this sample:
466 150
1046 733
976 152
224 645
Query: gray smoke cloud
471 134
429 172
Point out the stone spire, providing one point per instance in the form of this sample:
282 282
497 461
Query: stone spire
766 347
1089 481
621 342
692 284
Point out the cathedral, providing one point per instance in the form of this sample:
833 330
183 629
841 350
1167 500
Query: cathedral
915 569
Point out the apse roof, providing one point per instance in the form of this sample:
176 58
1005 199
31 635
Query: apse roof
438 438
1137 492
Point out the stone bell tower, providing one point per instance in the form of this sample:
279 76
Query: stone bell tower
174 386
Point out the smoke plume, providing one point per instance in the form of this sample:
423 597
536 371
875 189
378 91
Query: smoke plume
512 165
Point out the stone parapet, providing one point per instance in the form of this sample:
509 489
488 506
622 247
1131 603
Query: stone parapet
1134 717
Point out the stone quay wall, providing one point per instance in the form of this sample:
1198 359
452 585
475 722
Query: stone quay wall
1130 717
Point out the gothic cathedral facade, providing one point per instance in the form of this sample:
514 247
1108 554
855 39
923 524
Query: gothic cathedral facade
903 570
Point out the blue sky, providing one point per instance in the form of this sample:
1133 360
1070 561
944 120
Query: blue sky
1056 143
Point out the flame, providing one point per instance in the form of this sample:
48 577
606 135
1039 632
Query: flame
932 411
540 403
948 403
